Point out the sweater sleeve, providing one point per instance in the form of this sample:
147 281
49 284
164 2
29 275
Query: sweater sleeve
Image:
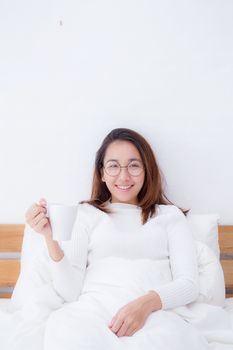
68 274
184 287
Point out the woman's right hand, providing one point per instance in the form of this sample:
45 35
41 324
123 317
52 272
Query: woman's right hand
37 219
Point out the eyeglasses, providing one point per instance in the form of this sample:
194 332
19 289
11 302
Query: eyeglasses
113 168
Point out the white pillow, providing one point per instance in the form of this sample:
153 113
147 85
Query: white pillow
204 228
211 277
34 275
33 245
35 287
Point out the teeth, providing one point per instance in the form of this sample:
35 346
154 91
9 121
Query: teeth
124 187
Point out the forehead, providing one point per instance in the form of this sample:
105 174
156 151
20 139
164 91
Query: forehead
121 151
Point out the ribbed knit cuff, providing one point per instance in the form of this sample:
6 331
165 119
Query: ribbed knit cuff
177 293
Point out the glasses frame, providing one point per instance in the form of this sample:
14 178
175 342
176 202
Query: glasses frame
126 166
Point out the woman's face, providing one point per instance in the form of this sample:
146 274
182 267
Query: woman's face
123 187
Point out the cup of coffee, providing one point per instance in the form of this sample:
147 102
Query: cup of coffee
62 218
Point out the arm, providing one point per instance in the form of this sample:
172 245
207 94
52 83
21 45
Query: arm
67 263
184 287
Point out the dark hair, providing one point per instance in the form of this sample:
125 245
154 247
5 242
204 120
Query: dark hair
151 192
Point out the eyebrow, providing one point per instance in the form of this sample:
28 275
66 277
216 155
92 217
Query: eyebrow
117 160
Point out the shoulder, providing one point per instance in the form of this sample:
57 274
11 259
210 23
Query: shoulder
86 208
170 214
175 222
88 215
163 209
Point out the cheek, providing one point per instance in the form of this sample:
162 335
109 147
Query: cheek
109 182
140 181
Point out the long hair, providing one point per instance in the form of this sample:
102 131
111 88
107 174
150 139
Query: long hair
151 192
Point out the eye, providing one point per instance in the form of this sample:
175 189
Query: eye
112 165
135 165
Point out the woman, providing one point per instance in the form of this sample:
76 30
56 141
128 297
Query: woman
131 260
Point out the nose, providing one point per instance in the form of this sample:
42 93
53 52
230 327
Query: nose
124 174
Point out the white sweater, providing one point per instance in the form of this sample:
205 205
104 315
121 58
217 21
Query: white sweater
97 235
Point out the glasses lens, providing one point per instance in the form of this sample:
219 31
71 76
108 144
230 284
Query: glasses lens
112 168
135 168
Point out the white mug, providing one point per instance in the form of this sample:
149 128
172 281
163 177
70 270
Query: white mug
61 217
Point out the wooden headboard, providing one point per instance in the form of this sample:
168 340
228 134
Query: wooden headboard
11 237
225 237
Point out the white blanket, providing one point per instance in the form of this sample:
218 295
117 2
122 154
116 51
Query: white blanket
45 323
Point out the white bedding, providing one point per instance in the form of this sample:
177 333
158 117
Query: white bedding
4 305
84 324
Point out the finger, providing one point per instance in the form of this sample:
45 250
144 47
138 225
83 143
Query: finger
37 219
29 211
41 224
130 331
33 211
122 331
116 326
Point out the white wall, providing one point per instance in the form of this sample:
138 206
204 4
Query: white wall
70 71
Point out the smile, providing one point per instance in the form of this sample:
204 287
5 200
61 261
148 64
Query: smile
124 188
